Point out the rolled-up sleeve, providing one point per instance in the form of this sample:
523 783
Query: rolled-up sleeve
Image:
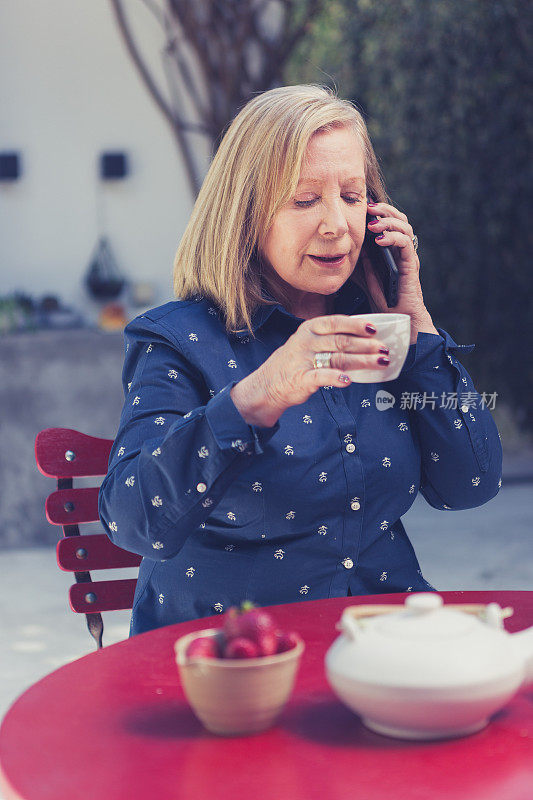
460 446
177 449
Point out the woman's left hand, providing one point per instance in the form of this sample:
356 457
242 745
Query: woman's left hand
397 234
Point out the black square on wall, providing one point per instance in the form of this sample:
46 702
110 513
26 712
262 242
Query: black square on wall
9 166
113 166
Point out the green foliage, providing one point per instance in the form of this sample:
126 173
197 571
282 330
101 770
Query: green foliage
322 57
444 85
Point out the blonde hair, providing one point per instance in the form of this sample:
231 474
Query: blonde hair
254 172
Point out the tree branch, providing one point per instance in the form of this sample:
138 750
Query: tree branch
139 63
314 8
158 12
225 48
280 51
178 126
174 50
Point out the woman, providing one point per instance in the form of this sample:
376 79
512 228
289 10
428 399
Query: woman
246 465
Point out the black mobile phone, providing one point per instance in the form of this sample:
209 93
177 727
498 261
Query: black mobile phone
383 263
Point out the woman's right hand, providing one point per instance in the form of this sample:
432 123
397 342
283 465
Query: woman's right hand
288 377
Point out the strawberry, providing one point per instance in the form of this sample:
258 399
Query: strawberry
258 626
231 623
203 647
241 648
267 643
285 641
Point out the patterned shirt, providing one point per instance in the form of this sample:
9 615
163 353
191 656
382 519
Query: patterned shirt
223 511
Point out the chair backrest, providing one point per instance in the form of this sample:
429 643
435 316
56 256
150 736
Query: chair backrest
65 454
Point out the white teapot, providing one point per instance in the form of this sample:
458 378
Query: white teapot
425 670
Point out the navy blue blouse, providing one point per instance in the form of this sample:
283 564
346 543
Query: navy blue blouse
223 511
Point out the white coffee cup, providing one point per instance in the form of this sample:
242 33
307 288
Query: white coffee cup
394 330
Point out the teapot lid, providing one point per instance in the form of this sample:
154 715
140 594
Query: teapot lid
425 617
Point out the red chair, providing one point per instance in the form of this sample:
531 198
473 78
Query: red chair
66 454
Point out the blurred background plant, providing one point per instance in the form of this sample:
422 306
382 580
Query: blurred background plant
16 313
446 91
21 312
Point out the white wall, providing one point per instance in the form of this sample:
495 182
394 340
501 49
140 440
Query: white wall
68 91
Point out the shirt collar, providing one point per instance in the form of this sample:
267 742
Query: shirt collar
346 301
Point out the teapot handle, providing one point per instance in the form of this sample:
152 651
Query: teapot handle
350 622
523 642
349 626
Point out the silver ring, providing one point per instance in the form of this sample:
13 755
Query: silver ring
415 243
322 360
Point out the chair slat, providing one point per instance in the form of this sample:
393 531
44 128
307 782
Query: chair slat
65 453
105 596
94 551
72 506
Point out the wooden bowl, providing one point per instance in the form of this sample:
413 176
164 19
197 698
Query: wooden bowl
235 696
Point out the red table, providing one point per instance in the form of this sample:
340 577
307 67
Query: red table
114 725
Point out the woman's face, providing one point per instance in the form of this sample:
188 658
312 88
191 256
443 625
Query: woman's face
316 237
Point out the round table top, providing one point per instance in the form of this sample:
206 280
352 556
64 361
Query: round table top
114 725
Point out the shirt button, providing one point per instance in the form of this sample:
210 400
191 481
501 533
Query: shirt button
464 409
348 563
355 505
350 447
201 487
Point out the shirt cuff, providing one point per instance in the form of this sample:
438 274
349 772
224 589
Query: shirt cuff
230 430
430 350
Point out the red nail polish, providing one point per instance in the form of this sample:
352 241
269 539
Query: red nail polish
381 236
370 328
384 361
371 203
384 350
373 222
